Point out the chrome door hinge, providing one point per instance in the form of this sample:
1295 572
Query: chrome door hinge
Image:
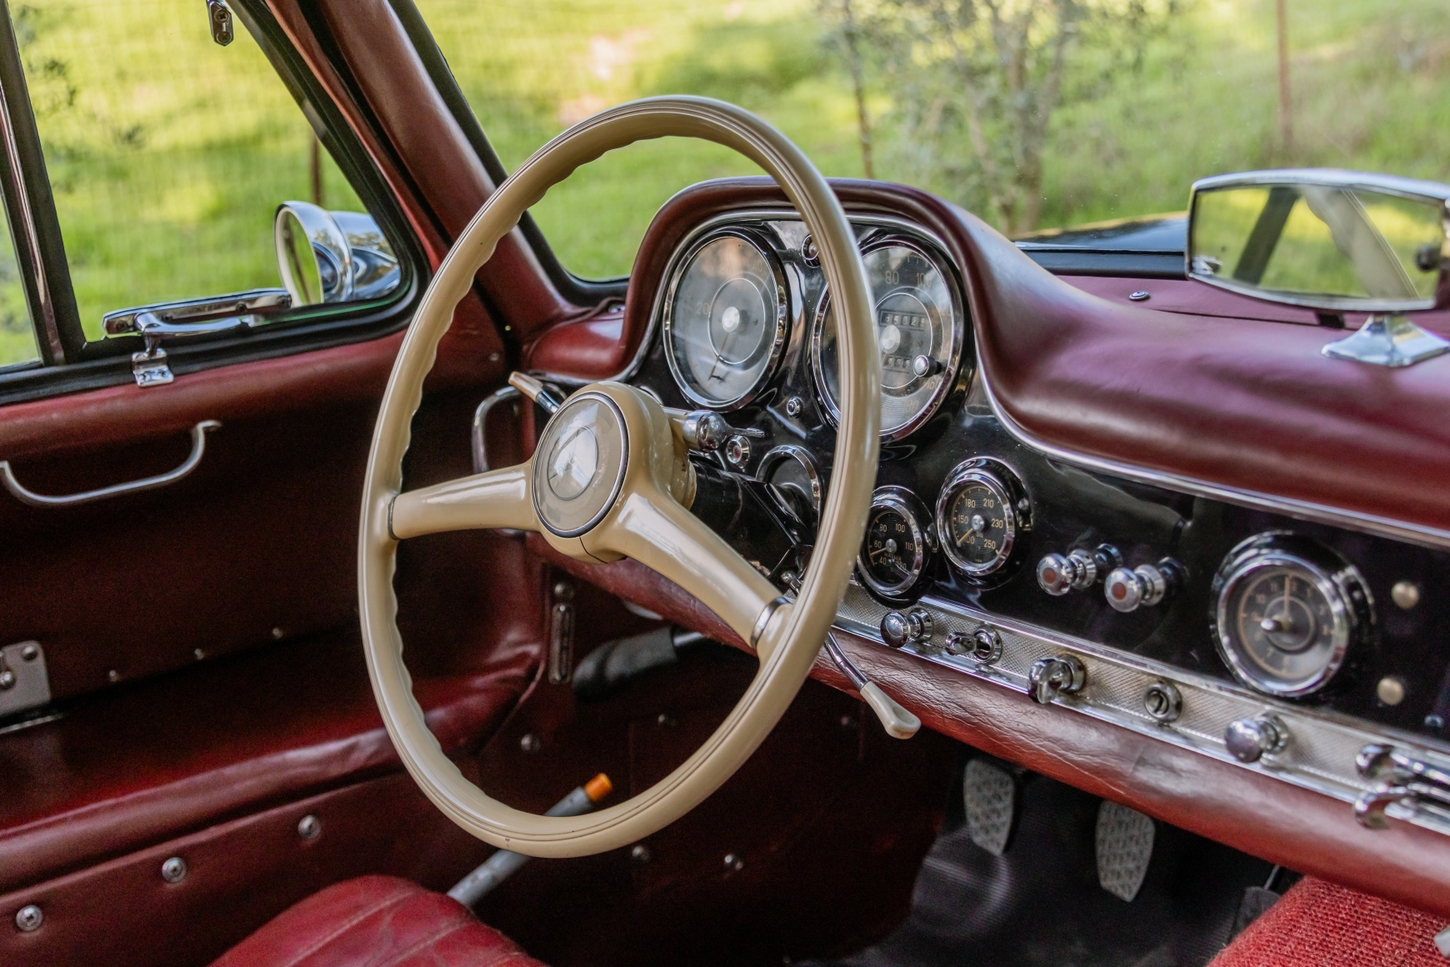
193 317
24 682
220 17
561 635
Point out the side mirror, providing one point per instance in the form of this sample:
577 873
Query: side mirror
1333 241
326 257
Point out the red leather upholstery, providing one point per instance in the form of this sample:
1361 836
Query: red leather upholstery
1318 924
376 921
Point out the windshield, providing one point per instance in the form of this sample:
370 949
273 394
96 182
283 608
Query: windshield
1034 114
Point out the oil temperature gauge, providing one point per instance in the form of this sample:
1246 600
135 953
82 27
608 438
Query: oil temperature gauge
1288 611
895 558
978 515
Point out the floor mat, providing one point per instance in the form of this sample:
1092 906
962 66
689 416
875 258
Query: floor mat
1040 903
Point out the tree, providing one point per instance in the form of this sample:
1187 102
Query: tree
974 84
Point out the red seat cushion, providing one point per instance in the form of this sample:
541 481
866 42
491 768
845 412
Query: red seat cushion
376 921
1319 924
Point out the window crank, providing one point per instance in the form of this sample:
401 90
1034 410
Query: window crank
898 722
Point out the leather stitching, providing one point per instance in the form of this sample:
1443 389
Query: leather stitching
426 942
393 900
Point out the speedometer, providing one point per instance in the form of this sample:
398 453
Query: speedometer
726 319
919 332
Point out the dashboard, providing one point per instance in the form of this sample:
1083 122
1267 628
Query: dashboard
1297 648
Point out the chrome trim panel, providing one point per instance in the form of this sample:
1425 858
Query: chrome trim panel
1323 747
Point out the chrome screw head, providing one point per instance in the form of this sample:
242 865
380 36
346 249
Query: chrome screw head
530 743
734 863
7 679
640 854
30 652
793 407
174 870
309 826
1406 594
29 918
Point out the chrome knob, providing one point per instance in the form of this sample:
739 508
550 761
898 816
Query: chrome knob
1052 575
1142 587
1058 575
705 430
899 630
1049 677
983 646
1249 740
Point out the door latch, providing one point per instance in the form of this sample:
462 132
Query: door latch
24 682
193 317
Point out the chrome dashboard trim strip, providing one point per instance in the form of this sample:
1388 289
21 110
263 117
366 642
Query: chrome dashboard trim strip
1321 754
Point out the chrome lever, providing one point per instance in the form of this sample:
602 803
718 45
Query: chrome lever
898 722
535 390
194 317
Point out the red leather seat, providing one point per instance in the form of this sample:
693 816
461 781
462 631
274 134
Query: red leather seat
376 921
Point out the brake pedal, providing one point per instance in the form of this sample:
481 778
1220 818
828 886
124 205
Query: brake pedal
1124 849
991 798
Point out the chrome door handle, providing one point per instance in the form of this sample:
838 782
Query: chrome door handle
193 317
198 447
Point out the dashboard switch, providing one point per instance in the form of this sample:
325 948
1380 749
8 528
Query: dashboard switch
1050 677
1057 575
1249 740
899 630
1142 587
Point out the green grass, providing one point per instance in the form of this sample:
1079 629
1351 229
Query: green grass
169 154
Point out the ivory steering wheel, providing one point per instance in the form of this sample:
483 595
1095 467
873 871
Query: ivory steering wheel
610 478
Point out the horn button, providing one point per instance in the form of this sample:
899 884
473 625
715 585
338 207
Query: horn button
579 464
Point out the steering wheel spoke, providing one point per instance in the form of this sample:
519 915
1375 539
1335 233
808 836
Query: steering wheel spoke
497 498
653 529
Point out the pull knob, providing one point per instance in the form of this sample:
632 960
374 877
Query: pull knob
1142 587
705 430
1049 677
899 630
1249 740
1058 575
984 646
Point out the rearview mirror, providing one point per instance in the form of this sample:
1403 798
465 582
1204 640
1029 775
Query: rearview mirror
1334 241
326 257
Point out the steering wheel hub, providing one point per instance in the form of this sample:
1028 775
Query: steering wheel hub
583 454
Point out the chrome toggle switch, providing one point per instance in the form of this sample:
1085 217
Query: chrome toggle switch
1049 677
983 646
1249 740
1143 586
899 630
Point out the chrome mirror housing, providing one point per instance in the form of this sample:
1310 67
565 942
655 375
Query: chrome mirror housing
1333 241
327 257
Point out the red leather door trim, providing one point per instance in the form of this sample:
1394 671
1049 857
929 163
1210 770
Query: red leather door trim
171 755
240 874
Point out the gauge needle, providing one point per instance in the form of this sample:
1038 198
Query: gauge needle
730 322
978 525
1285 619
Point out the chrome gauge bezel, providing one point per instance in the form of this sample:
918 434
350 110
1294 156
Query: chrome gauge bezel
917 517
1335 579
783 304
802 456
1005 485
952 376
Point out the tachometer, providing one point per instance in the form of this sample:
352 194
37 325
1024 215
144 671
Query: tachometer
1287 613
897 550
726 319
919 332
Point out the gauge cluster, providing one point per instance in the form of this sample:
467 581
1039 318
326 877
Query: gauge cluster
975 527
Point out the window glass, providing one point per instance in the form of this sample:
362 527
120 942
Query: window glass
168 154
1031 113
17 334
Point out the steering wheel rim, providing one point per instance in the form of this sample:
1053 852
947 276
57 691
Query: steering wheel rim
643 517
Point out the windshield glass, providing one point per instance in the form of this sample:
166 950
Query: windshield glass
1034 114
